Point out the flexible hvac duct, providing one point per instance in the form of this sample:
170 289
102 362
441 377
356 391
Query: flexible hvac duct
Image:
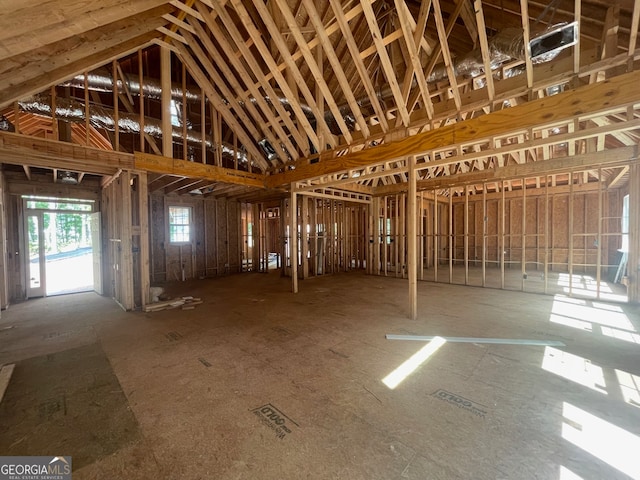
100 117
101 80
6 125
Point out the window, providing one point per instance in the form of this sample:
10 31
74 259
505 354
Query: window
179 224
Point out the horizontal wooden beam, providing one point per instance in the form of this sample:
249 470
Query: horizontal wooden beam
45 28
19 149
53 77
583 162
597 98
172 166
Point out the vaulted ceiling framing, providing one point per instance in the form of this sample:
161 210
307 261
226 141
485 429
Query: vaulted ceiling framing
289 90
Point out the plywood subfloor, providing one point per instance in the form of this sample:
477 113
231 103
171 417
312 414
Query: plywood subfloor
259 383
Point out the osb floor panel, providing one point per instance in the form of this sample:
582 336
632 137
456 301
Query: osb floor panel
258 383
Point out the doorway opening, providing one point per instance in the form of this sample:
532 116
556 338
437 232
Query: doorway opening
63 244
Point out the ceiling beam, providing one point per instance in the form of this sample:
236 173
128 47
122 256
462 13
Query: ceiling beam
172 166
586 161
605 96
29 28
19 149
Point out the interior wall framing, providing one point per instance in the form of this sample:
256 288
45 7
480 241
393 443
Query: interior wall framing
331 237
504 236
215 247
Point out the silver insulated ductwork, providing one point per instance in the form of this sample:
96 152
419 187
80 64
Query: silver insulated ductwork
104 118
508 44
504 46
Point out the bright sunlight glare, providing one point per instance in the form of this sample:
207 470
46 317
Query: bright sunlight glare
575 368
407 368
566 474
610 443
630 387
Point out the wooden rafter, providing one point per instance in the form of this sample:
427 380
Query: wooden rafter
217 101
228 75
414 55
313 67
256 37
384 59
596 98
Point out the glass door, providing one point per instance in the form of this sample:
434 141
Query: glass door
36 259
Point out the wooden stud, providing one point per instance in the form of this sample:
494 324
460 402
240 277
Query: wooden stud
571 222
523 239
412 256
634 234
165 80
484 234
502 233
293 238
466 235
144 235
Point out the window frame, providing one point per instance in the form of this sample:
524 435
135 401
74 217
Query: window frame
189 225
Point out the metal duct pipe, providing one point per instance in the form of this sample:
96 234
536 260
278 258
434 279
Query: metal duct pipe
101 80
508 44
100 117
6 125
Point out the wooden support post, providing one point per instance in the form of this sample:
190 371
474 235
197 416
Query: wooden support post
378 242
450 236
16 116
87 113
501 241
140 81
396 231
412 240
466 235
570 259
436 232
485 220
116 109
546 233
165 83
54 114
293 239
203 126
126 257
184 112
524 233
304 236
634 234
386 234
599 236
422 236
403 235
143 206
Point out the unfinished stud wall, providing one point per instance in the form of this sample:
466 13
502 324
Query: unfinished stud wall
125 252
332 236
511 238
214 247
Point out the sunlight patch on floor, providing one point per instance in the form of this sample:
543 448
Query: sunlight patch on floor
606 441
